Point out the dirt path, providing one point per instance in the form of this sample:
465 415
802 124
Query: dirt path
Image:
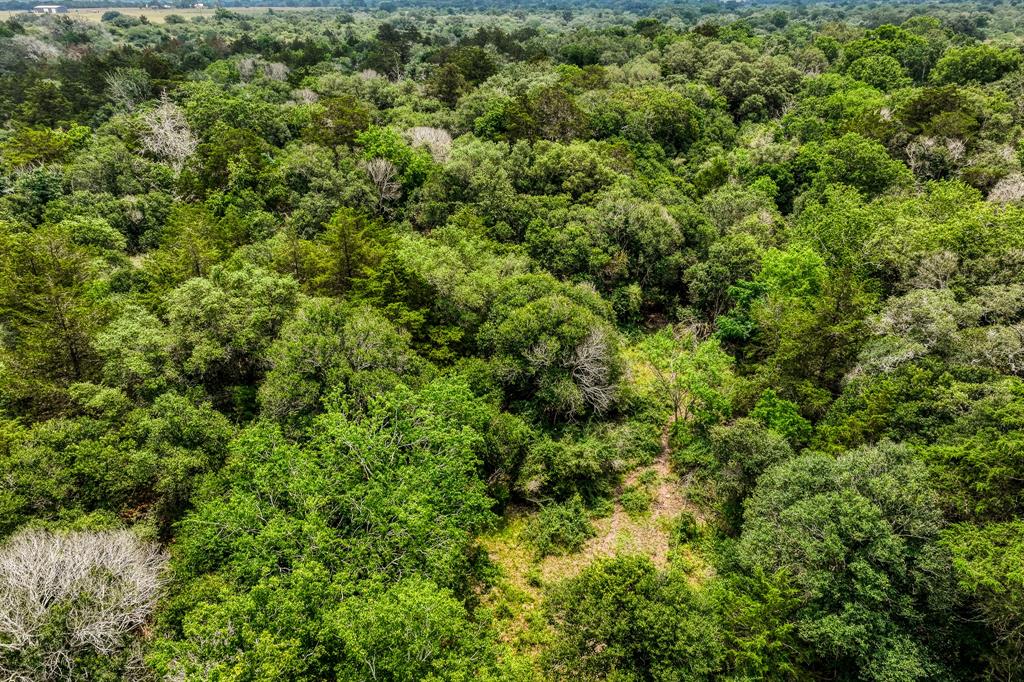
648 534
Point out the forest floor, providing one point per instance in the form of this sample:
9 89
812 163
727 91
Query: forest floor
519 590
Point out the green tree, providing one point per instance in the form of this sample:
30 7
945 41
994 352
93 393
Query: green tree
348 248
622 617
327 347
552 345
858 534
51 301
336 122
297 540
223 325
974 64
412 631
988 561
694 378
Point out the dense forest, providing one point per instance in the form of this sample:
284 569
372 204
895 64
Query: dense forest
567 343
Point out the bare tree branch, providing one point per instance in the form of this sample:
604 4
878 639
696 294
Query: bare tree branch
168 135
98 587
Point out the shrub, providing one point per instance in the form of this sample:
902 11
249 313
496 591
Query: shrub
635 500
560 528
685 529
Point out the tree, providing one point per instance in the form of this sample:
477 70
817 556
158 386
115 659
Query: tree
622 617
551 345
858 534
761 639
223 325
136 348
349 247
741 452
880 71
974 64
336 122
852 160
45 104
988 562
28 147
46 299
384 176
72 604
327 347
729 260
168 135
447 84
128 87
694 377
308 540
413 630
136 462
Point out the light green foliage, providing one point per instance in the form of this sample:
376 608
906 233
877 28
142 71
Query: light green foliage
310 298
880 71
374 496
914 52
636 500
855 161
136 349
143 462
585 462
325 348
975 63
694 379
386 143
223 325
783 417
30 146
560 528
412 631
807 319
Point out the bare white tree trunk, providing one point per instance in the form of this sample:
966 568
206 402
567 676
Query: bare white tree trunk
437 140
168 135
385 177
591 369
104 584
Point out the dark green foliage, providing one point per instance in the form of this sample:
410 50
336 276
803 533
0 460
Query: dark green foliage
660 629
311 298
134 461
741 453
987 561
856 533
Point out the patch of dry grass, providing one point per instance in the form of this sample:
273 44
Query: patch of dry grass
648 534
517 596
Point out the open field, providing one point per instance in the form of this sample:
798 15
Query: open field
158 16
